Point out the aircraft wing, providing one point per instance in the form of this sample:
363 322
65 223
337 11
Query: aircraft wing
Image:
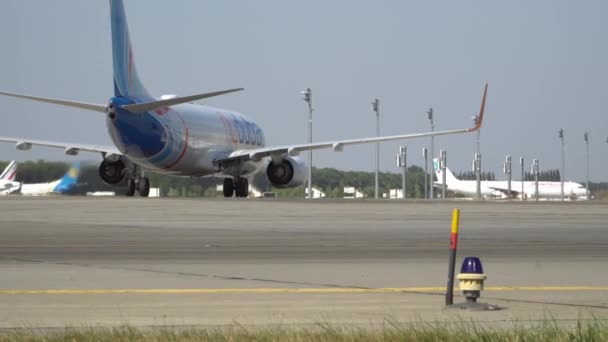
69 148
338 145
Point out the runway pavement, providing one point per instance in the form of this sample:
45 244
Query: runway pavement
210 262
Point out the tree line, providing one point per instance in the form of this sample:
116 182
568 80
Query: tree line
330 181
470 175
544 176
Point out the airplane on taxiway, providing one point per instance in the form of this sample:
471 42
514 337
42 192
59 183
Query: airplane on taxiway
500 189
173 136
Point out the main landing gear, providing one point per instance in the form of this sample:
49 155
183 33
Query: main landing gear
122 172
142 186
137 182
238 187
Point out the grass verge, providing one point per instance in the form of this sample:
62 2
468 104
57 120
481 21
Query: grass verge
594 330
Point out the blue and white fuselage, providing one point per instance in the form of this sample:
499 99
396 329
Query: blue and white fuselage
183 139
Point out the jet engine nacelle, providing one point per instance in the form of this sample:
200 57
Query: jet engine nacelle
111 172
290 172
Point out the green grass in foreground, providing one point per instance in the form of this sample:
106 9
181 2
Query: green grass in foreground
548 331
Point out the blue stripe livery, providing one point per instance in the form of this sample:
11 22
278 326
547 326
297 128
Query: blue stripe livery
126 80
69 180
139 135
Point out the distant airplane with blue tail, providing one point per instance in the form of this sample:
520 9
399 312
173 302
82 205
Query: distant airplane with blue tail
61 186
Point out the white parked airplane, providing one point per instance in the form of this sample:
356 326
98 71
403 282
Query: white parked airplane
7 179
171 135
546 190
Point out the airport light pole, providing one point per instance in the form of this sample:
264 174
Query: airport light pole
587 146
402 163
442 166
507 170
425 154
478 160
561 178
521 163
307 96
432 120
599 185
376 108
535 172
477 171
475 119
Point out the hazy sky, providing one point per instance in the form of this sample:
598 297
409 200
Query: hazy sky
546 63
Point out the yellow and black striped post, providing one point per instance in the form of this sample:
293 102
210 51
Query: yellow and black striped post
449 294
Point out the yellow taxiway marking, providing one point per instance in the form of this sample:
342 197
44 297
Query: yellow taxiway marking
188 244
295 290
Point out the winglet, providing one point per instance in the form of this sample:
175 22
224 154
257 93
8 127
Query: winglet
481 111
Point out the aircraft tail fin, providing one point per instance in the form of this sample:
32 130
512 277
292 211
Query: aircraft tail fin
126 79
69 180
9 172
73 172
449 176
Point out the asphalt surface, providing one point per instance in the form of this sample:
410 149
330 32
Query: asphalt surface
214 262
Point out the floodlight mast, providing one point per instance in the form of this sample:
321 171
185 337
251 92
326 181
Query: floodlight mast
425 155
477 170
523 194
376 109
402 163
307 97
443 166
587 146
507 170
563 174
478 160
430 114
536 173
